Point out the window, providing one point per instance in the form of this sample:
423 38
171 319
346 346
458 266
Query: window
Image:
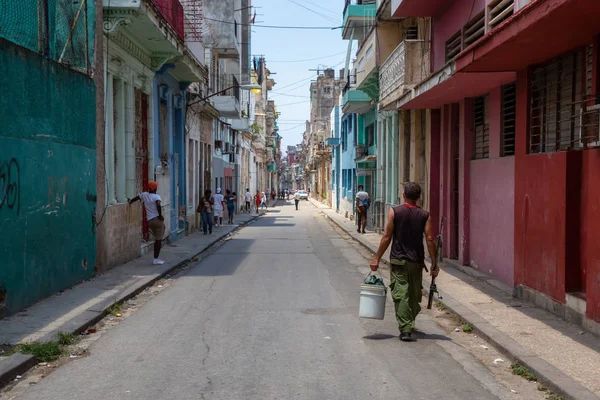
453 46
474 30
499 11
370 133
508 119
556 105
412 32
481 126
369 53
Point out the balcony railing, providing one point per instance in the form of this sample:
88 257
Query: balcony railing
357 2
407 65
361 151
229 84
172 11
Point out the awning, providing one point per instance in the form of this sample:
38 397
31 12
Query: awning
539 31
447 86
367 159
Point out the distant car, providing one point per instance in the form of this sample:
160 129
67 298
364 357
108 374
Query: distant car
303 194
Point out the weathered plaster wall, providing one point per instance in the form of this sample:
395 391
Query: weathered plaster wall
590 219
47 177
124 232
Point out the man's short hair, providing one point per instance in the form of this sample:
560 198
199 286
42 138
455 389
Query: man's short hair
361 187
412 191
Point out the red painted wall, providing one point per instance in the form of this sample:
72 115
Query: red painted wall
590 221
492 217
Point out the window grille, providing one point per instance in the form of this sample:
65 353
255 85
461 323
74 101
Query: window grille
453 46
474 30
560 118
481 124
412 32
509 99
499 11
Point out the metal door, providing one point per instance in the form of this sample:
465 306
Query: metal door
141 152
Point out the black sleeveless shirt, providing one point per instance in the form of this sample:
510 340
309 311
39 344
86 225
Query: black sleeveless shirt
409 228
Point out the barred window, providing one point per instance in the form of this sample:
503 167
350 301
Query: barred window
481 126
509 100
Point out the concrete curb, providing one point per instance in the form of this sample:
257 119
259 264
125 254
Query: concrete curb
13 365
547 374
18 364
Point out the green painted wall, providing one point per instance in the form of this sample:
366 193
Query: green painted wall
47 176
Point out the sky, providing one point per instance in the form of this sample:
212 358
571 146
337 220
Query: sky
291 53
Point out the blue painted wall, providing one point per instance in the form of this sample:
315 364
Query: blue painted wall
47 176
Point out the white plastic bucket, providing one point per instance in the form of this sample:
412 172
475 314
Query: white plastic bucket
372 301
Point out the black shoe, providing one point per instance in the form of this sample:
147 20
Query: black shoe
405 337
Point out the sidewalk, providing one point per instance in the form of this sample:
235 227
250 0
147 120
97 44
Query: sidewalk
565 359
77 308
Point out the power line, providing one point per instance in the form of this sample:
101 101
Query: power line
286 27
308 59
335 21
291 104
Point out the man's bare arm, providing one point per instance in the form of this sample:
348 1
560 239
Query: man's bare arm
387 236
159 209
431 245
136 198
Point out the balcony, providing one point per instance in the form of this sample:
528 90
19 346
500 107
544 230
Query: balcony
355 101
333 141
367 71
405 67
172 11
227 102
358 16
418 8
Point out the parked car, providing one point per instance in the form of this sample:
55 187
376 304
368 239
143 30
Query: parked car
303 194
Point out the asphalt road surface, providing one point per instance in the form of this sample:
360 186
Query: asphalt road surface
272 314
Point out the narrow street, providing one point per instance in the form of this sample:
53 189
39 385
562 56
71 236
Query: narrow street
271 314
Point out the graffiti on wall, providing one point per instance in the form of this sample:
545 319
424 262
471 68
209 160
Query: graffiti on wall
10 186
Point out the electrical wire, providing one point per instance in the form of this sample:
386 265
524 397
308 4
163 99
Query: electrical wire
308 59
335 21
332 28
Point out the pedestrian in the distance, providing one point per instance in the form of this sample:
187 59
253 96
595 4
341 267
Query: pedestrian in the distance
406 225
248 200
257 200
297 199
156 221
218 207
205 208
230 201
273 194
362 206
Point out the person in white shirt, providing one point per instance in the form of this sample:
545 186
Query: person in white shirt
248 198
362 205
156 221
297 199
219 207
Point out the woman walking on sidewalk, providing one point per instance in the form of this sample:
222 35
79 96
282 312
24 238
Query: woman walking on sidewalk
257 200
205 208
230 201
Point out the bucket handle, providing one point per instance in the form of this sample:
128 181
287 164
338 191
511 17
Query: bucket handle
371 273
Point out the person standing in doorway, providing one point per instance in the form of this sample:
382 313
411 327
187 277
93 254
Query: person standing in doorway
362 206
248 200
406 225
205 208
156 221
297 199
230 201
218 207
257 200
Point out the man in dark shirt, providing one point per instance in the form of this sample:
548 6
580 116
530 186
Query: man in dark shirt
406 225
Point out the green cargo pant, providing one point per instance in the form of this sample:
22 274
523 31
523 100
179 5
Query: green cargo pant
406 286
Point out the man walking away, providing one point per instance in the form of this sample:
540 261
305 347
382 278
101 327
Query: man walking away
405 227
297 199
230 200
205 208
362 206
156 221
218 207
248 200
